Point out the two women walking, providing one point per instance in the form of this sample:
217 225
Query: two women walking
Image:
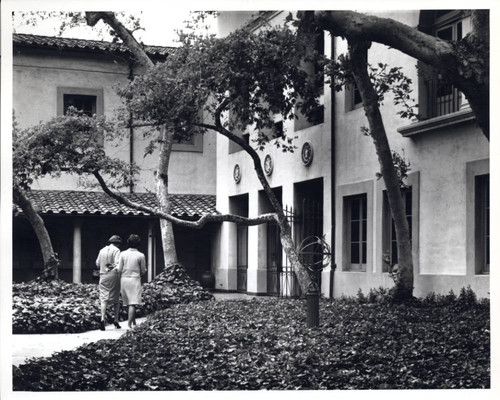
120 273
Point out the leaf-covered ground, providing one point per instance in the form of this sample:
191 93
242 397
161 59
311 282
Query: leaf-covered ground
60 307
264 344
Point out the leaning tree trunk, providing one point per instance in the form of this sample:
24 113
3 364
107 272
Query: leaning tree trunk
358 52
285 230
50 258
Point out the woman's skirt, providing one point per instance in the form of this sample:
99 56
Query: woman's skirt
131 291
109 287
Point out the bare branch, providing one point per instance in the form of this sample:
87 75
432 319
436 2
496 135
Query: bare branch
357 26
123 33
200 223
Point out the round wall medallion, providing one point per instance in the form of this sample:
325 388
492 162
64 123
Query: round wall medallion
307 153
237 173
268 165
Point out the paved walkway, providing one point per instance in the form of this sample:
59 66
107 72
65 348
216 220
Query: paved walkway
25 347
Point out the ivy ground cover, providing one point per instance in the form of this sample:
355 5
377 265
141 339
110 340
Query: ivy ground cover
60 307
265 344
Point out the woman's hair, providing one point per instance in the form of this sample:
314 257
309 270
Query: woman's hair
134 240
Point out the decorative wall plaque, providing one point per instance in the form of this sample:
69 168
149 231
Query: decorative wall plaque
237 173
268 165
307 153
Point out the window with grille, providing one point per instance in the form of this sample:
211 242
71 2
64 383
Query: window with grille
442 97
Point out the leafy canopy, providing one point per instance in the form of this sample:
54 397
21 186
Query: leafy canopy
256 75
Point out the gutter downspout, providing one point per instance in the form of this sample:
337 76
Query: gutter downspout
131 132
333 265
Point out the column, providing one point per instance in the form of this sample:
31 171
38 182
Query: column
256 277
77 251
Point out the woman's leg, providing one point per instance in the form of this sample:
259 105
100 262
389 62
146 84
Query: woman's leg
131 315
117 315
104 306
117 312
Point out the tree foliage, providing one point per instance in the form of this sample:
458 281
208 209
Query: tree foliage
256 75
232 85
72 143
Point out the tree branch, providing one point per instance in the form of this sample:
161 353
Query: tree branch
123 33
200 223
357 26
465 63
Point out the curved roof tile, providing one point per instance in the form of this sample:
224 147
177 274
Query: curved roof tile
185 206
83 44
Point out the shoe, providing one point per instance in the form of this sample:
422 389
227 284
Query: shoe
117 325
102 326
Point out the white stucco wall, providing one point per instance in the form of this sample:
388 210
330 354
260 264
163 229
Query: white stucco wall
440 157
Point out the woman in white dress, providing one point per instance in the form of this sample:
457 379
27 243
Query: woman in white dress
131 266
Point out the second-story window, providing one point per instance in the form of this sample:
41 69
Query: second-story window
83 103
442 97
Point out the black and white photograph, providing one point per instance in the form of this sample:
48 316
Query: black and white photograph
225 197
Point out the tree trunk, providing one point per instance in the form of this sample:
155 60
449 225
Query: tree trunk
358 52
285 229
167 230
50 258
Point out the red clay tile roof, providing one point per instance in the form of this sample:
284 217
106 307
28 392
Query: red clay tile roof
185 206
83 44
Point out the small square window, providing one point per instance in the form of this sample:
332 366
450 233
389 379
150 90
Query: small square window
90 101
84 103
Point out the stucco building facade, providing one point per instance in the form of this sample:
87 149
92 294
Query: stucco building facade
49 75
328 186
447 204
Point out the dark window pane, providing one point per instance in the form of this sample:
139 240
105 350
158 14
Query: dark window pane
394 252
364 207
86 104
363 232
363 249
354 231
446 33
354 253
354 209
459 31
408 201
